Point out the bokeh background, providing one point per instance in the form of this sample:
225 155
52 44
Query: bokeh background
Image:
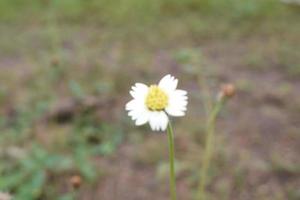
66 67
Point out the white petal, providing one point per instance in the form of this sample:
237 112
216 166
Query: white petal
177 103
153 120
158 120
164 120
139 115
135 114
175 112
168 83
181 92
139 91
132 104
142 119
135 105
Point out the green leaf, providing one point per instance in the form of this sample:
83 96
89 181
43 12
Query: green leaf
76 89
33 187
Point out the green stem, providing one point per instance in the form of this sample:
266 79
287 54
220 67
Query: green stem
54 34
206 95
208 151
171 160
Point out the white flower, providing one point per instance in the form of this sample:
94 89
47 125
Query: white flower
153 104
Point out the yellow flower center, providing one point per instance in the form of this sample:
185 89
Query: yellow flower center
156 99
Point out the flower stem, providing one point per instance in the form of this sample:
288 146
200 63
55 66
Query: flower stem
208 151
171 161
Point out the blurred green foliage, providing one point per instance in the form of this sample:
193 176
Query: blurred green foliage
26 167
29 167
125 11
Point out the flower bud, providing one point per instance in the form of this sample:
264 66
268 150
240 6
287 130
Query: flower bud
55 61
76 181
227 90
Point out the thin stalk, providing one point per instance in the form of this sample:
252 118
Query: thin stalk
75 194
172 162
208 151
201 79
53 29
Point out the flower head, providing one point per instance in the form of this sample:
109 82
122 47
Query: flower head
153 104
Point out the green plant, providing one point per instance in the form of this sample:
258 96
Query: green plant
27 176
